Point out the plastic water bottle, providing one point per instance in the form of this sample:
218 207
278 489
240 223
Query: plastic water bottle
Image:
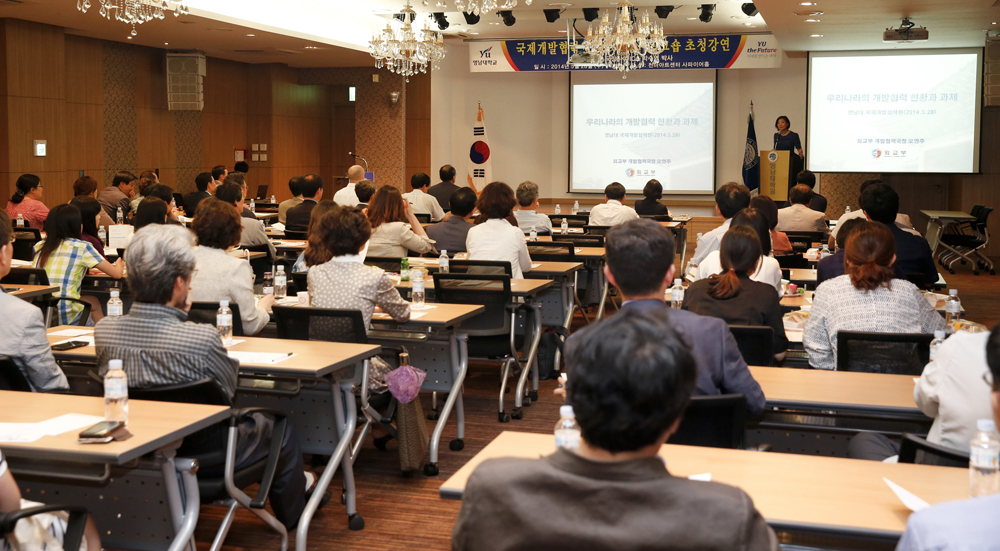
272 199
444 265
224 321
20 220
952 310
253 207
417 292
939 337
533 235
567 430
280 284
677 294
102 234
115 306
116 393
847 209
564 226
984 460
404 269
268 284
576 207
173 203
825 251
558 209
121 216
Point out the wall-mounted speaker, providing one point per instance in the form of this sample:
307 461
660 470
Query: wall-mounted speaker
185 74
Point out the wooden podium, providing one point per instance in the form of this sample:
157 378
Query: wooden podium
775 174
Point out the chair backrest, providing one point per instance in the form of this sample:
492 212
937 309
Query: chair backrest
179 200
573 220
713 421
26 276
260 265
481 267
596 230
489 290
932 454
585 240
207 445
205 312
11 377
657 217
794 260
423 218
301 281
320 324
975 210
296 235
895 353
555 251
35 232
917 278
802 240
24 244
388 264
981 219
755 343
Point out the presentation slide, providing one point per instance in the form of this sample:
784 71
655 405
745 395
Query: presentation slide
909 112
636 132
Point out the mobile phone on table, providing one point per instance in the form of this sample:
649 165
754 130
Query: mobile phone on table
70 345
99 433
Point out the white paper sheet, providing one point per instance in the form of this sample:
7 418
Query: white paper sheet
19 263
533 265
118 235
703 477
235 342
72 332
89 339
20 432
911 501
68 422
269 358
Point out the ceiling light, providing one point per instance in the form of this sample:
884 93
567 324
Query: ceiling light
404 51
135 12
251 35
692 18
311 48
166 43
128 37
812 20
663 11
748 24
706 12
470 18
816 36
551 14
807 13
749 9
508 17
807 3
591 14
441 19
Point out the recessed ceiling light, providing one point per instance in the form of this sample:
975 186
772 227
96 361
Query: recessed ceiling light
748 24
494 23
166 43
251 35
807 13
812 20
816 36
807 3
560 31
692 18
129 37
311 48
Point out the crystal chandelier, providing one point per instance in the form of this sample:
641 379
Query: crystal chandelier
401 52
136 12
482 7
626 44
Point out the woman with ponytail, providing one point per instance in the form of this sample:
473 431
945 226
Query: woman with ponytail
27 201
767 270
865 298
732 295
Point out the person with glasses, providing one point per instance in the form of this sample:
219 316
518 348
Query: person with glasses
27 201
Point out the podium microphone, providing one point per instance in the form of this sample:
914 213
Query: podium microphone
351 153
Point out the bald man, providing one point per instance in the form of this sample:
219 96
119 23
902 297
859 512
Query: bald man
347 197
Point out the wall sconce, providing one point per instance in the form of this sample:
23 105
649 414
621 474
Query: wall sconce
394 96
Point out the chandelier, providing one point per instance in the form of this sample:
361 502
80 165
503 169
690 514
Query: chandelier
626 44
482 7
136 12
401 52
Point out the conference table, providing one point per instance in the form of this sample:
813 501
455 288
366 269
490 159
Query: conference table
140 494
825 496
938 220
30 292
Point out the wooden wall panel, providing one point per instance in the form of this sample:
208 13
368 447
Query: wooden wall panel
84 148
151 78
343 139
221 134
155 143
83 70
35 60
225 87
418 127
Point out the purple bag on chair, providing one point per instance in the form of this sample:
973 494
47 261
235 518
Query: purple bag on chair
404 382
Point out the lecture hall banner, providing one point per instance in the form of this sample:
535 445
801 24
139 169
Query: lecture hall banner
746 51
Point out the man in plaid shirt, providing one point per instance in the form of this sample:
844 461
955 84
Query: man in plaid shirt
158 346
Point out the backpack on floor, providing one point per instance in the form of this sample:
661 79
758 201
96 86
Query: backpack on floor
552 340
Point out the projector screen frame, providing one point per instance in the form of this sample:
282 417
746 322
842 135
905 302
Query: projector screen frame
673 76
977 124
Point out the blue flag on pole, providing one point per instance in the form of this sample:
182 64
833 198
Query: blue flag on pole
751 158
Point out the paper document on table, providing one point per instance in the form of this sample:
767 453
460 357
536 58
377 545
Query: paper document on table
72 332
579 250
270 358
20 432
19 263
89 339
911 501
703 477
234 343
533 265
278 226
67 423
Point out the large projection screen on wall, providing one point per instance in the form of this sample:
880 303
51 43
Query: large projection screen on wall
659 126
898 111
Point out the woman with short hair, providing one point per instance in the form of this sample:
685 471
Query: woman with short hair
767 207
395 229
651 205
27 201
496 238
767 270
865 298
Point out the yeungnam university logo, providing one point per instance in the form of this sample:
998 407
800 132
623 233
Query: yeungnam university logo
772 156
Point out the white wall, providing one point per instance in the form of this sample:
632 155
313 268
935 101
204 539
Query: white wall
527 118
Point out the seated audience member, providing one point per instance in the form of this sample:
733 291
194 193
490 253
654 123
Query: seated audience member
219 173
420 201
808 178
87 186
612 212
165 193
346 197
902 220
241 180
833 265
218 276
66 259
338 277
295 186
496 239
241 166
798 216
769 210
152 210
651 205
297 217
721 369
969 523
159 347
141 185
732 295
913 254
631 378
253 230
451 233
866 298
90 213
118 194
395 228
321 208
729 199
766 271
27 201
206 188
443 190
527 216
364 190
22 328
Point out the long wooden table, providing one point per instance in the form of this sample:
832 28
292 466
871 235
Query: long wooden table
794 493
130 490
28 292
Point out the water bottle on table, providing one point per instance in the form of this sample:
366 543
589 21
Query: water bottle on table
253 207
280 284
272 199
558 209
533 235
102 234
576 207
677 294
115 306
564 226
444 265
121 216
20 220
417 291
567 430
268 284
984 460
939 337
953 311
116 393
224 321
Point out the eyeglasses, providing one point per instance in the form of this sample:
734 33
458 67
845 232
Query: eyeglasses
988 378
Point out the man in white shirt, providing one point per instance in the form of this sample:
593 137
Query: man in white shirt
613 212
729 199
347 197
902 220
420 201
526 215
798 216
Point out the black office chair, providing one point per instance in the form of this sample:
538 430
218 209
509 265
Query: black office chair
713 422
11 377
802 240
596 230
789 261
24 243
75 525
572 220
38 276
895 353
585 240
423 218
205 312
260 265
386 263
933 454
554 251
296 235
214 448
301 281
179 201
657 217
479 267
968 246
755 343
